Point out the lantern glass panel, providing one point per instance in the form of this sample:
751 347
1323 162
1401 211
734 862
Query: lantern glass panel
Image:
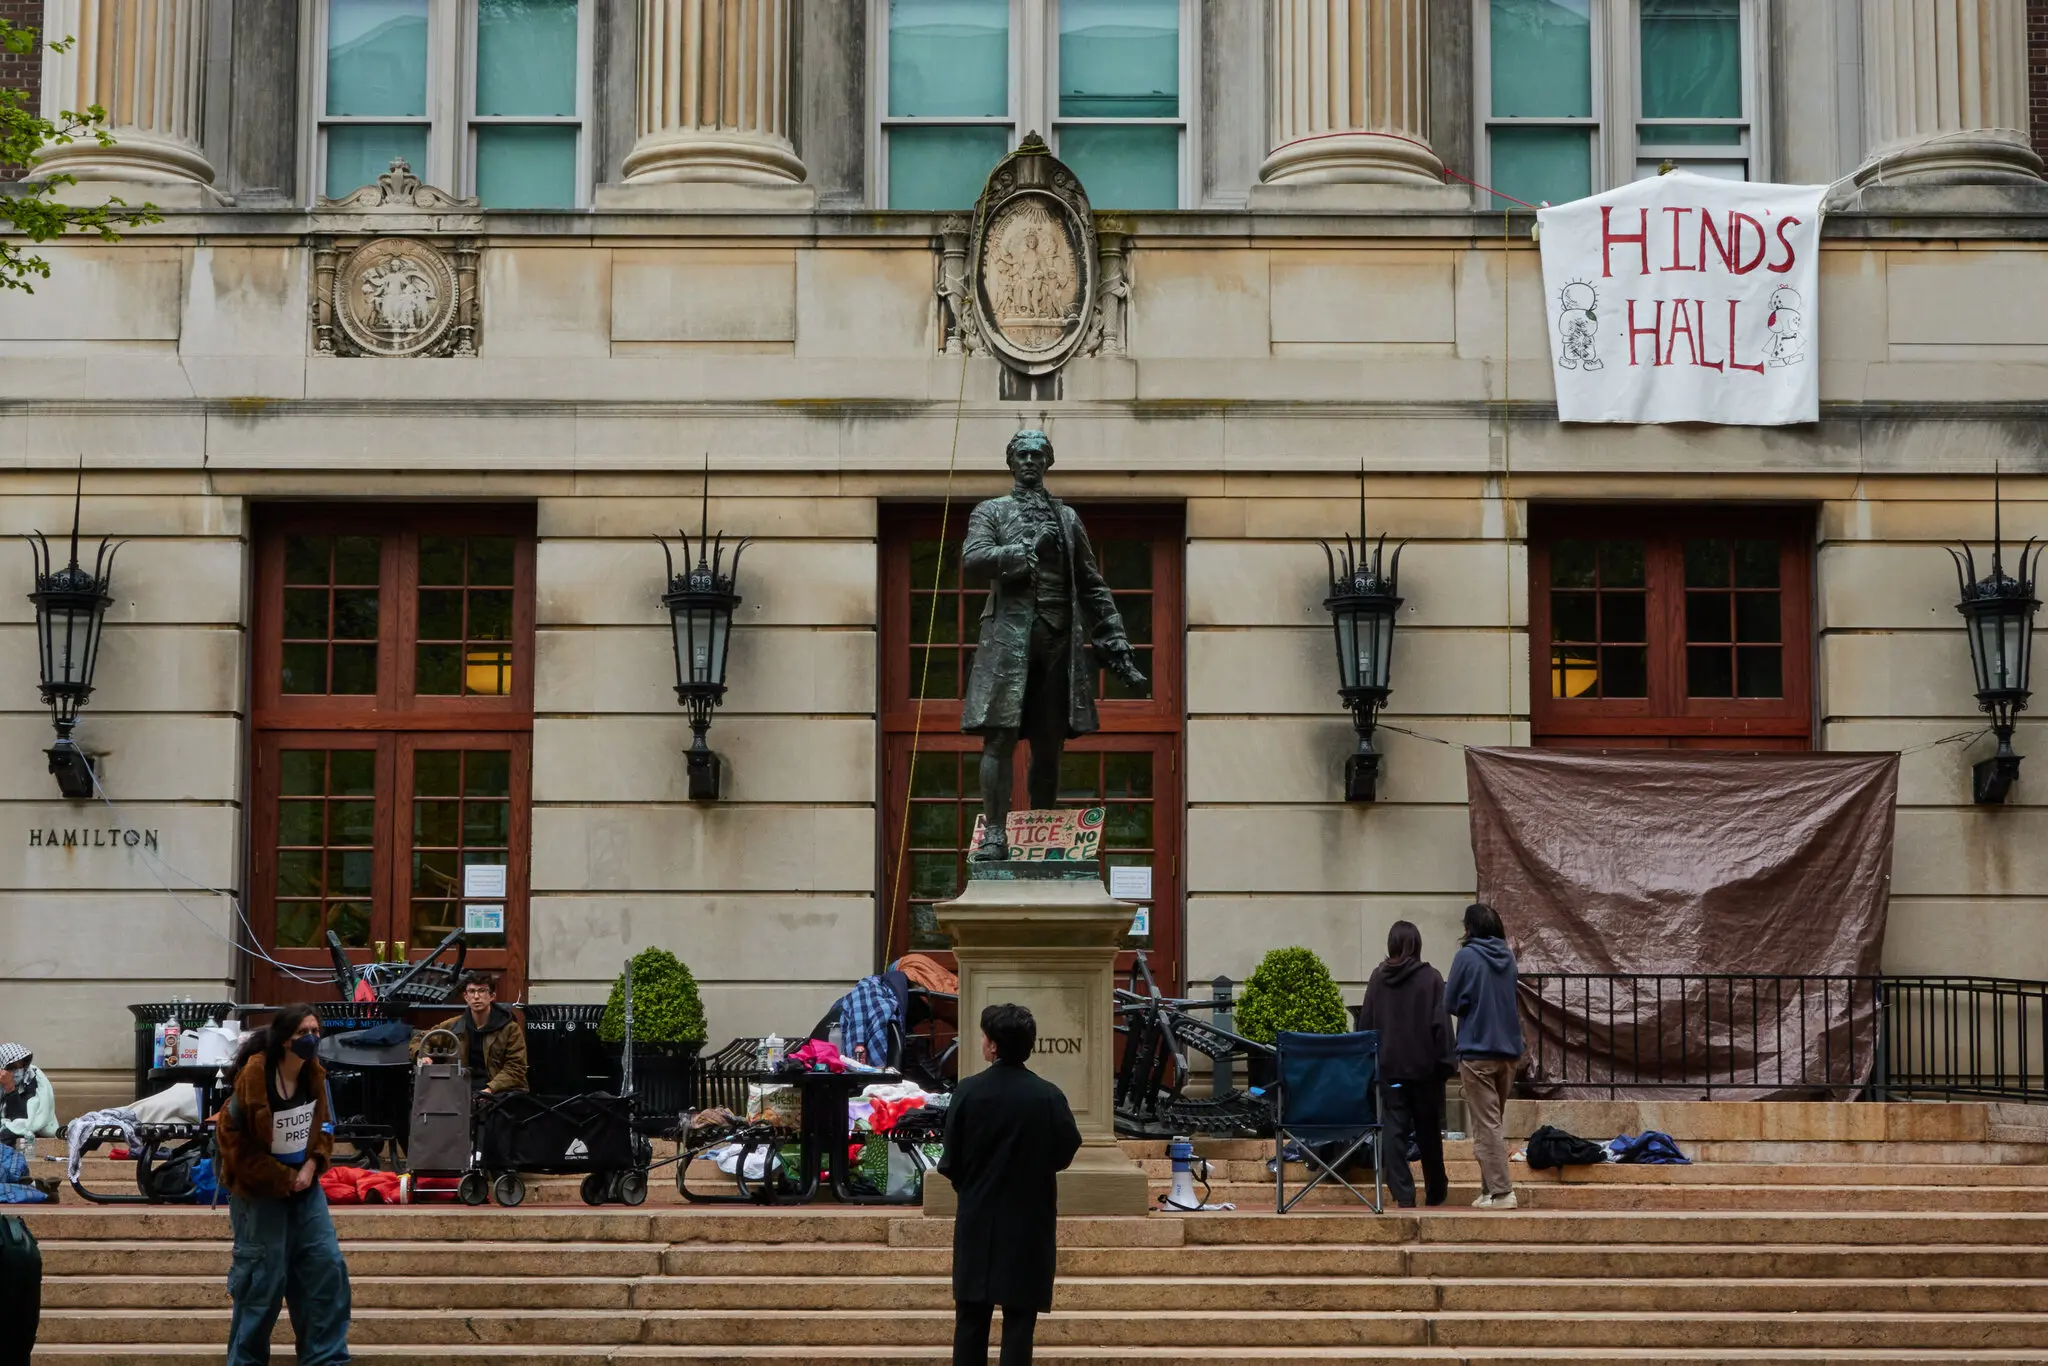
1347 649
1999 647
71 637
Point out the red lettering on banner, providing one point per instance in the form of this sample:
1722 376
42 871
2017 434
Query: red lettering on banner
1763 243
1656 326
1791 254
1609 238
1677 237
1734 364
1699 313
1681 325
1708 229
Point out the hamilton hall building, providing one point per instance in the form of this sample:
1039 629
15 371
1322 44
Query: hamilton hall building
456 305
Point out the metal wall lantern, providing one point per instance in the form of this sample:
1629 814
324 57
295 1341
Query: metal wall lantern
1364 598
700 603
1998 616
71 607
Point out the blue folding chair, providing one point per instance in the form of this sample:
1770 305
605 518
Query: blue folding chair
1328 1093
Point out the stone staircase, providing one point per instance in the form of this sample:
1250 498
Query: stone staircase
1808 1234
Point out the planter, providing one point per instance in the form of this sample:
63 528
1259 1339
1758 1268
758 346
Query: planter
665 1084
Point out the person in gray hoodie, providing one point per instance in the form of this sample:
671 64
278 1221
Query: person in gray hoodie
1481 993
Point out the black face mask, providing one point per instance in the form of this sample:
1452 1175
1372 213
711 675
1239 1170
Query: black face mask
307 1046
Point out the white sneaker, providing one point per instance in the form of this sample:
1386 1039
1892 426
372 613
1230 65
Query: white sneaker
1503 1201
1484 1201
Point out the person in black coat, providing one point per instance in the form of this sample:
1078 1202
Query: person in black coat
1404 1001
1009 1133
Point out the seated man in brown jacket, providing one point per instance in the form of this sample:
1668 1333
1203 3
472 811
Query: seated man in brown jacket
493 1043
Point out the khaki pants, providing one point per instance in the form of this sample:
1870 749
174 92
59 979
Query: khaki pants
1487 1082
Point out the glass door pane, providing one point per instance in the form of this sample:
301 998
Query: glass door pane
458 844
323 856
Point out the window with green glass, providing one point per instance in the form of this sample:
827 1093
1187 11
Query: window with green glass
1119 122
1541 116
525 122
515 68
948 119
376 98
1691 102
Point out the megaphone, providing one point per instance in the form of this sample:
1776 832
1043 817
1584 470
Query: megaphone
1181 1150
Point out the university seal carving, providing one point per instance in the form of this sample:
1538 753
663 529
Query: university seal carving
395 296
1034 268
394 266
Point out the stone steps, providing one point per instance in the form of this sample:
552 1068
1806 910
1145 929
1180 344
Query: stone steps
1901 1234
1123 1326
73 1296
864 1355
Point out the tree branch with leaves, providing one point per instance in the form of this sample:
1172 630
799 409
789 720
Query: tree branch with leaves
30 209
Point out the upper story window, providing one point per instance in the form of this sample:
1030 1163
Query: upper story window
1107 81
483 97
1579 95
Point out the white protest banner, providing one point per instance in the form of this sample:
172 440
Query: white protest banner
1684 298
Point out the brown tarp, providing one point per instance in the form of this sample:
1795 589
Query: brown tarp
1677 906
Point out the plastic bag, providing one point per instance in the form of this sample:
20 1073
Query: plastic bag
781 1106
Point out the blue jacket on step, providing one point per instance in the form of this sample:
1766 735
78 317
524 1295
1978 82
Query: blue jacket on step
1481 993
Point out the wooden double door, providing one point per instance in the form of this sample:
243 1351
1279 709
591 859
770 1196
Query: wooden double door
391 775
932 772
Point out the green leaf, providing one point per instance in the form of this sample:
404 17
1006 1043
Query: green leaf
28 207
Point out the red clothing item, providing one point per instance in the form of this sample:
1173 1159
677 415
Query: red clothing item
354 1186
883 1114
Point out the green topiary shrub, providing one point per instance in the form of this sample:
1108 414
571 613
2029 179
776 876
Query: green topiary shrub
1290 990
666 1007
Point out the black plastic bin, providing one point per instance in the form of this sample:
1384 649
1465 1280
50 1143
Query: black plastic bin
189 1014
564 1056
667 1084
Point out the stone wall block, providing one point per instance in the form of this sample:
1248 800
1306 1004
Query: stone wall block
731 937
703 296
782 583
683 848
773 670
640 758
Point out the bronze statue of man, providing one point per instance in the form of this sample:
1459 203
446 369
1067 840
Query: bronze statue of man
1033 676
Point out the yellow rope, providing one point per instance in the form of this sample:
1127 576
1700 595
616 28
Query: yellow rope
924 676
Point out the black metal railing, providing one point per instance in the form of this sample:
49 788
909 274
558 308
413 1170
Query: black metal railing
1754 1034
1979 1037
1701 1033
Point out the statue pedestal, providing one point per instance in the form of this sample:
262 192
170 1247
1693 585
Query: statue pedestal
1044 935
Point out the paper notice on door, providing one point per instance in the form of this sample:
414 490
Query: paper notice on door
483 919
1133 884
483 880
1141 923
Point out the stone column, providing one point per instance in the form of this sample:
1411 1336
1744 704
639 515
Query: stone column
144 61
1945 93
714 94
1350 94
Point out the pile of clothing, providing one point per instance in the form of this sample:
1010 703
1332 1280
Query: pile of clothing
1550 1146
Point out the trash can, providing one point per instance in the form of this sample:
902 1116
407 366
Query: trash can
563 1054
189 1015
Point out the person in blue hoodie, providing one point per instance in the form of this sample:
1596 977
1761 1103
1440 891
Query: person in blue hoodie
1481 993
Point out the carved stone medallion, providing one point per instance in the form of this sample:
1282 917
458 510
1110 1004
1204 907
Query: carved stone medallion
395 296
1034 271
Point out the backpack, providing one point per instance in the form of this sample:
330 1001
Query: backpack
1550 1146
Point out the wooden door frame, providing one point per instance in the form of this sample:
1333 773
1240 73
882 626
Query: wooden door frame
391 716
1162 717
1664 716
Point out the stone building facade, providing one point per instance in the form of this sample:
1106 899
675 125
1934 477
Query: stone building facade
388 456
